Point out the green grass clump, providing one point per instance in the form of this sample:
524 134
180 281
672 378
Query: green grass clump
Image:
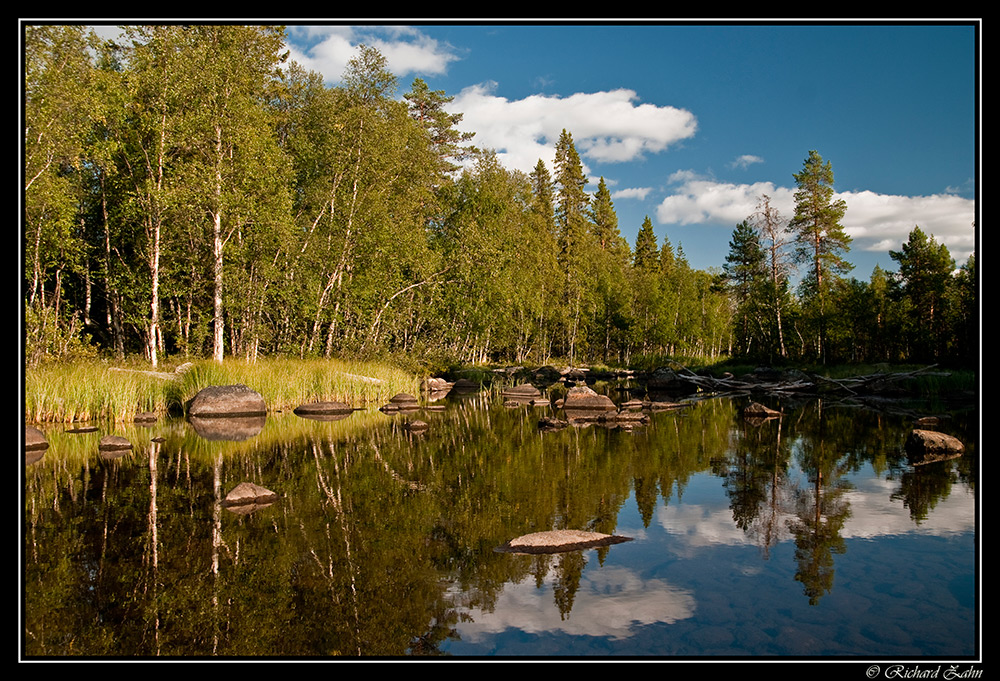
94 390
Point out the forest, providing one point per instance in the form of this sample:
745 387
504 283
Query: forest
190 192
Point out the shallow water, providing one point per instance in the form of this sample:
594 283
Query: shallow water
804 536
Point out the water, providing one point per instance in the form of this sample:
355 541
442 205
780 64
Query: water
383 540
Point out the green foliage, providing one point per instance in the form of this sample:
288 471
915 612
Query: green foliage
189 194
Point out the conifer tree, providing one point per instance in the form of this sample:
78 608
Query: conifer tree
820 239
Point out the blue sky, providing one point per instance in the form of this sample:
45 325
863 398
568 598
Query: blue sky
691 123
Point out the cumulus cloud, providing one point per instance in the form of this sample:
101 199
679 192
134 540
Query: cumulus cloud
328 49
700 200
607 126
875 222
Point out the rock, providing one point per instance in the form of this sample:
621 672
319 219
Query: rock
114 443
523 391
626 416
926 446
549 423
666 380
246 497
401 399
416 426
558 541
663 406
464 385
323 410
226 401
145 417
113 446
34 440
584 397
757 410
436 385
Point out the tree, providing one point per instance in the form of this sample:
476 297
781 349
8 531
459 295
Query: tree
744 273
771 227
57 119
571 221
925 269
819 238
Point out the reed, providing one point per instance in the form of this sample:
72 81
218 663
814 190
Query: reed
91 391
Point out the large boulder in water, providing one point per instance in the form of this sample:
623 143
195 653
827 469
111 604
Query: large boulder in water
226 400
925 446
585 398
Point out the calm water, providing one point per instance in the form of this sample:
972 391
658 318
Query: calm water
804 536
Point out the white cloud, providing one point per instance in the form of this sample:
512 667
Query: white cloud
745 161
606 126
875 222
639 193
328 49
699 200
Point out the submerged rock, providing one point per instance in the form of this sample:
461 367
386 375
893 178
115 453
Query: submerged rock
558 541
925 446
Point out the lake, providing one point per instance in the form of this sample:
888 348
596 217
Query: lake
804 536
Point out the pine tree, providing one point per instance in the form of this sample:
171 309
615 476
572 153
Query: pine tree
819 238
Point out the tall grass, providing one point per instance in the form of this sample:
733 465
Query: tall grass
90 391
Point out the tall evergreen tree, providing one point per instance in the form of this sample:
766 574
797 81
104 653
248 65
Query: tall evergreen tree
744 272
819 238
925 269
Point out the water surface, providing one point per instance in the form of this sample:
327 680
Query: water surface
808 535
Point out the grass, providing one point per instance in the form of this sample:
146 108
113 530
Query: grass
95 390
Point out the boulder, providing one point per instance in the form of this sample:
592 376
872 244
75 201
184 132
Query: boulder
523 391
145 417
416 426
114 443
401 399
113 446
667 381
34 440
926 446
323 410
559 541
436 385
464 385
226 400
584 398
247 497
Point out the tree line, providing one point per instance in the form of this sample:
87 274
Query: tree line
189 191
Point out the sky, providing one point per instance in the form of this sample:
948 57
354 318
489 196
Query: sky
691 123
